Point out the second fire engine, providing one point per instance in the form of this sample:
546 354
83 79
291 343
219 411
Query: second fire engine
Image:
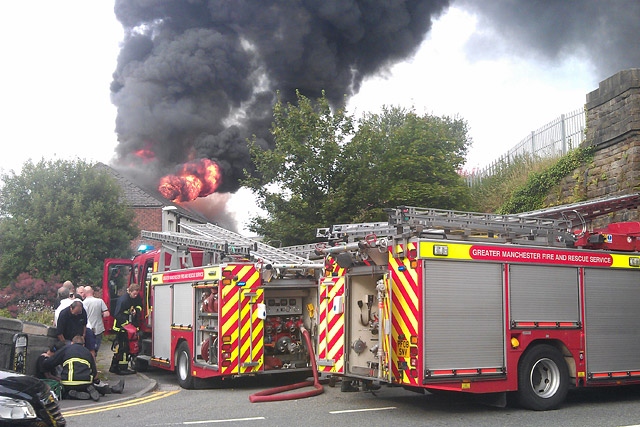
531 304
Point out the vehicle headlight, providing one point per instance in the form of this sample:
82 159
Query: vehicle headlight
15 409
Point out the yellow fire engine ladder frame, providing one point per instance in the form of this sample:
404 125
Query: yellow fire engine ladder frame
180 245
555 226
408 221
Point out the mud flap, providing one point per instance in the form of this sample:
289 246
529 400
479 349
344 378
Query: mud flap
498 400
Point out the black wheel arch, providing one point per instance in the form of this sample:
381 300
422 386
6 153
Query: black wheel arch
561 347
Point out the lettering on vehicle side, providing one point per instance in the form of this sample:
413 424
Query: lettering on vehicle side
548 256
182 276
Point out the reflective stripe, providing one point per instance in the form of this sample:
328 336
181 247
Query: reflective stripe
69 363
76 382
117 328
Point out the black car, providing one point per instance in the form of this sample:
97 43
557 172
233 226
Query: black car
27 401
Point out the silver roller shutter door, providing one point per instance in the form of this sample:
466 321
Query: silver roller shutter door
544 293
463 318
612 319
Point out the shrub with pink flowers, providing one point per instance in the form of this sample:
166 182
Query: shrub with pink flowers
29 299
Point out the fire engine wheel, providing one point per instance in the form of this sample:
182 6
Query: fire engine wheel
183 366
543 378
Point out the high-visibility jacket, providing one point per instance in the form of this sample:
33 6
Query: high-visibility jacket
124 308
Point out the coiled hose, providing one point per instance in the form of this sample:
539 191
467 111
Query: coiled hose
272 394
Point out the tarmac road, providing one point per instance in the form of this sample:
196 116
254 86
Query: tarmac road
164 403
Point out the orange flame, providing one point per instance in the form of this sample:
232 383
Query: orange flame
145 155
194 179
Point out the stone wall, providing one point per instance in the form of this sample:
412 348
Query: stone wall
613 127
40 337
613 110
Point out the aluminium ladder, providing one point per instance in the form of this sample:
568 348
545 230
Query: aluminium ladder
351 232
468 225
278 258
180 246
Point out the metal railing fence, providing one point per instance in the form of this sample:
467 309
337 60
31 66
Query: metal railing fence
556 138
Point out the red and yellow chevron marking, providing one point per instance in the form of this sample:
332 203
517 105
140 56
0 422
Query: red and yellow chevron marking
241 331
384 337
330 325
404 316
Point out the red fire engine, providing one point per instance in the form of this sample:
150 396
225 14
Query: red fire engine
220 305
442 300
178 250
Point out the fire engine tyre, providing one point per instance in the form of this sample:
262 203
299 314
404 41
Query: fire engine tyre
543 378
183 366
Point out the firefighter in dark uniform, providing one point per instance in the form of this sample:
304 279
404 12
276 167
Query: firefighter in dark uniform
128 310
78 369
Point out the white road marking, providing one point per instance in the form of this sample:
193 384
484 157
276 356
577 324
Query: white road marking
228 420
346 411
188 423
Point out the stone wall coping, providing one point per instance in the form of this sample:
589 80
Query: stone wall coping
614 86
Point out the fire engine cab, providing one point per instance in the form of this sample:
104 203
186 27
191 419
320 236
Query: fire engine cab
221 305
480 303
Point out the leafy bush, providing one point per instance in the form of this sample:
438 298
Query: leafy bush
532 194
28 297
523 184
35 311
61 219
492 192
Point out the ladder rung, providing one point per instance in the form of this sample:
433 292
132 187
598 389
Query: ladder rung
510 227
356 231
192 241
261 250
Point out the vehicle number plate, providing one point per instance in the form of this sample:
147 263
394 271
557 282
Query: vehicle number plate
403 348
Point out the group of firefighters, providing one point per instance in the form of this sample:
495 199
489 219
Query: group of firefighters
70 363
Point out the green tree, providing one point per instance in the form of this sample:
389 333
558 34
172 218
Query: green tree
322 172
400 158
296 176
60 220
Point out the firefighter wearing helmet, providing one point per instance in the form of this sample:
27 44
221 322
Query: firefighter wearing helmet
128 310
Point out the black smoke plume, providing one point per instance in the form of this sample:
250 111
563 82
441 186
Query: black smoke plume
195 78
605 33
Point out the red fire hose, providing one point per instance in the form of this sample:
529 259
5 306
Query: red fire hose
271 395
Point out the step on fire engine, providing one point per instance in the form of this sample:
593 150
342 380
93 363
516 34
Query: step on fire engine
220 305
480 303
